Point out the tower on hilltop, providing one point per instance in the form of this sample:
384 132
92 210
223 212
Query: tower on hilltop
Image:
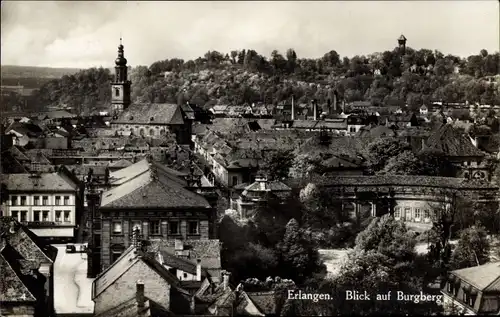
402 44
120 87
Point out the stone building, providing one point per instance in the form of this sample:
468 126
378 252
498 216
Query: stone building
153 203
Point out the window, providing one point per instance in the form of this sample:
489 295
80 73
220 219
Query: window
45 200
58 200
151 132
13 201
36 215
66 200
117 92
235 180
193 227
185 275
115 255
36 200
24 216
465 297
173 227
45 215
418 214
15 214
397 212
117 227
136 225
407 213
58 216
23 200
154 227
352 129
66 216
450 287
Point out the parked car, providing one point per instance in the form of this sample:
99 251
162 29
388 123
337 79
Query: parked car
70 248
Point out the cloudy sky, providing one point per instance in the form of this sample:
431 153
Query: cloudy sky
85 34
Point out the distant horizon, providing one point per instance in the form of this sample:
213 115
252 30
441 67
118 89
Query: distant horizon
84 34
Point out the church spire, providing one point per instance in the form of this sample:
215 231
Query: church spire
120 97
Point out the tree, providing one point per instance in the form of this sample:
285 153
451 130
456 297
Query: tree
381 150
382 261
299 257
277 164
427 163
472 249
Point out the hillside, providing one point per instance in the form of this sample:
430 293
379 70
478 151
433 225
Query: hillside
239 77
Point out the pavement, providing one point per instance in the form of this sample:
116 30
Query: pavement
72 288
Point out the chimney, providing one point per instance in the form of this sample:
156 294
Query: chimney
225 279
198 270
315 110
335 101
139 294
293 110
179 246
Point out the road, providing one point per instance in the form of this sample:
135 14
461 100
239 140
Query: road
72 288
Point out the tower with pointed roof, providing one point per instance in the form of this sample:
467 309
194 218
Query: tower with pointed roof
402 44
120 87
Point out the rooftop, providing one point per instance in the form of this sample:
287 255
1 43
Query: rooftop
12 288
451 142
485 277
42 182
148 191
128 259
155 113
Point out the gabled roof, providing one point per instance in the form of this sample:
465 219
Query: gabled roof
44 182
148 191
56 114
26 242
485 277
155 113
208 251
267 302
127 260
451 142
12 289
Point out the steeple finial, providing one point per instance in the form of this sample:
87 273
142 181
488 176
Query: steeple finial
120 40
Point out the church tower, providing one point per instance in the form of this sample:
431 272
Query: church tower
402 45
120 87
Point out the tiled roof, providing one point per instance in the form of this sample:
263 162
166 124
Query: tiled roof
26 242
148 191
173 261
125 174
304 124
128 259
25 128
208 251
400 180
45 182
188 111
17 154
12 288
337 124
151 114
56 114
83 170
342 161
37 156
120 164
268 186
485 277
375 131
451 142
267 302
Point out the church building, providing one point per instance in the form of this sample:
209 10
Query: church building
145 119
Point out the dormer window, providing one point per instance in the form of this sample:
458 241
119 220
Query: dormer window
151 119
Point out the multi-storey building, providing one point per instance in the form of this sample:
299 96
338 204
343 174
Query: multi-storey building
45 202
152 202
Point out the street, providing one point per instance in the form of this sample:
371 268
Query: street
72 288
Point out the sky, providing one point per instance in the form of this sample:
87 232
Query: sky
86 34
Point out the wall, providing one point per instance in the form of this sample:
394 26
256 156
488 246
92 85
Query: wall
51 206
17 310
56 143
124 288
